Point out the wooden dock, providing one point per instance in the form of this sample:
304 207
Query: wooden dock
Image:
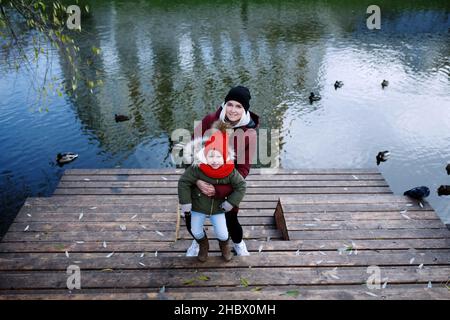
312 234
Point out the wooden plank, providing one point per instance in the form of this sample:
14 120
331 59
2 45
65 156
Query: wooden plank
250 191
371 234
245 217
111 226
251 177
347 292
124 235
217 277
280 222
250 184
358 215
363 225
252 245
132 261
253 171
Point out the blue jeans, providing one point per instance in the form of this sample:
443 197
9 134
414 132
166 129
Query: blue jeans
217 220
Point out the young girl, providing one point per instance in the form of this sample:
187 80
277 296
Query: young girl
214 163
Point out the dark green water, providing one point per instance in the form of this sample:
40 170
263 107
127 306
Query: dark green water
168 63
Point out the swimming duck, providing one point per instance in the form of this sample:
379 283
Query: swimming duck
418 193
448 168
443 191
313 97
63 158
382 156
121 117
384 83
338 84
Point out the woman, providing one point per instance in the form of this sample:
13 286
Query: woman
234 111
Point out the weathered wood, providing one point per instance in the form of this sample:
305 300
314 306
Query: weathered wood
347 292
251 177
371 234
293 225
126 235
125 261
338 221
254 171
250 184
250 191
181 246
217 277
280 223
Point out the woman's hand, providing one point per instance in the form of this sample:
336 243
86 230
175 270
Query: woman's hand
206 188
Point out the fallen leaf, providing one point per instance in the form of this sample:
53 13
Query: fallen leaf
292 293
371 294
257 289
159 233
244 282
107 270
203 278
189 282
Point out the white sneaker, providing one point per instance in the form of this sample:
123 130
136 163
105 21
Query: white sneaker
193 249
241 249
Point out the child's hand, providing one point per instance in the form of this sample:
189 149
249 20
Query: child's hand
226 206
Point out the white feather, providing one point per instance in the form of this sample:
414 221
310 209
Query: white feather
110 255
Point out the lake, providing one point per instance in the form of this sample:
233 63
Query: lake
168 63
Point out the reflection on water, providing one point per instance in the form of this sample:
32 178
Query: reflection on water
168 64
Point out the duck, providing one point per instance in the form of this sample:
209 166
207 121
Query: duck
313 97
384 83
63 158
418 192
448 168
121 117
382 156
338 84
443 191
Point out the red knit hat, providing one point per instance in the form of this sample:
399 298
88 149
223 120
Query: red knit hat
219 142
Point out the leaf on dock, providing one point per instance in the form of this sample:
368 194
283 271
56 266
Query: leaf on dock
203 278
244 282
292 293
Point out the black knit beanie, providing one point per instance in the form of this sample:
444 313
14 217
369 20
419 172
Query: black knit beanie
240 94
